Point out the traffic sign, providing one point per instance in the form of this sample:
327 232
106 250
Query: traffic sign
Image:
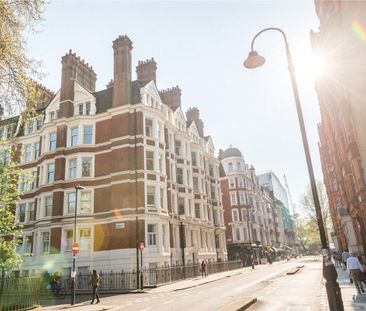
141 245
75 248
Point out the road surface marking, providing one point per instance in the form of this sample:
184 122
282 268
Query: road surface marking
166 302
149 308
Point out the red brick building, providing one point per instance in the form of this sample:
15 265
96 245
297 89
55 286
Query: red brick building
140 160
342 131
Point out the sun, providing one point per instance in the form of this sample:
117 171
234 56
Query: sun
311 66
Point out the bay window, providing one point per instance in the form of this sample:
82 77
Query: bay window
151 234
85 206
52 141
85 239
88 134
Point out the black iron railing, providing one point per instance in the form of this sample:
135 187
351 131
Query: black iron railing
21 293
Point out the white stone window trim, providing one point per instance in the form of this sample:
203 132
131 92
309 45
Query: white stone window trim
27 177
79 161
234 212
242 198
24 238
233 202
41 210
155 158
80 126
84 102
78 236
17 211
46 142
155 232
157 131
72 190
45 172
64 238
241 182
40 241
232 182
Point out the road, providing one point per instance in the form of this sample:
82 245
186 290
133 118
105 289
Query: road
274 289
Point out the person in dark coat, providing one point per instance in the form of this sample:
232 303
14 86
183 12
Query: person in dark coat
95 282
204 268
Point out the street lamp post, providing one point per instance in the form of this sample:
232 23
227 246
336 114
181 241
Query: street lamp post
73 273
254 60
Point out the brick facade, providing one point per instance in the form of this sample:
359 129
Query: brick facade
131 149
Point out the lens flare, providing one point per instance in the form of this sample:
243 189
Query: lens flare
311 66
359 29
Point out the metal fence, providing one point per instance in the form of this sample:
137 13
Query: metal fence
126 280
19 293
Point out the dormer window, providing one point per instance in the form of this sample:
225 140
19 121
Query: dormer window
30 127
53 116
87 108
84 109
39 123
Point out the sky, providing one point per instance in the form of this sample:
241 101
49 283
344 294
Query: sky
201 46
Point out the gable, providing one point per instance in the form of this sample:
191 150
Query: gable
193 129
149 93
55 103
180 115
82 95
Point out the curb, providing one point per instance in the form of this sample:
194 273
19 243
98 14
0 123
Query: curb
295 270
239 305
292 271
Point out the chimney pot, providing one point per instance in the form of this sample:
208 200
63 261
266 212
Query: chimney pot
146 70
171 97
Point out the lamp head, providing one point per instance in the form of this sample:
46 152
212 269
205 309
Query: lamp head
79 187
254 60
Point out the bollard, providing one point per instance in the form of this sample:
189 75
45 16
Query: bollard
333 290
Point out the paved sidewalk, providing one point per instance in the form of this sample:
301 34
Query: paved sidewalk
351 301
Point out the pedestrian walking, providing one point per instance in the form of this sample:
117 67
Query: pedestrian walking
345 255
204 268
95 282
363 273
355 268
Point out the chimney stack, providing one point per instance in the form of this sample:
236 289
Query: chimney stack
40 95
146 70
74 68
193 114
171 97
122 47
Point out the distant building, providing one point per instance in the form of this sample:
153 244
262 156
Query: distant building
342 131
251 218
149 173
279 194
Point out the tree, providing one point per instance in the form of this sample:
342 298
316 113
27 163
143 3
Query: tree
17 69
10 230
309 230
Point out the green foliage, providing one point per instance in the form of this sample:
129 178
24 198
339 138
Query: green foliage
10 230
17 17
307 225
